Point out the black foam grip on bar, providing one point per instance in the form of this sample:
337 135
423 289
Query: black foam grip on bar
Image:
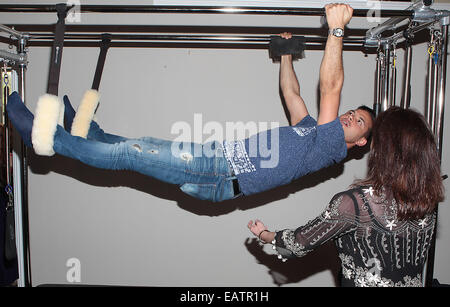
279 46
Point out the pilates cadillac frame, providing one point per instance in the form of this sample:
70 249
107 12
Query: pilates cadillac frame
419 16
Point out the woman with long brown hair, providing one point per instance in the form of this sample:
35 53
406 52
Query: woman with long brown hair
383 224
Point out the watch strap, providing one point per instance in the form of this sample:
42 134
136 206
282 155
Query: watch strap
338 32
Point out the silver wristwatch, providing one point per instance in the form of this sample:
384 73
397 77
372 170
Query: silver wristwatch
338 32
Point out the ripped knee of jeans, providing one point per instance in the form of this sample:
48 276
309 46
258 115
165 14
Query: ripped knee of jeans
137 147
186 156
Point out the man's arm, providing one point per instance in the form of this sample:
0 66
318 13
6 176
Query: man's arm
331 69
290 88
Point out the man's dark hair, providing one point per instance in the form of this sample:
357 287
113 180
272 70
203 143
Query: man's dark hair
372 116
369 110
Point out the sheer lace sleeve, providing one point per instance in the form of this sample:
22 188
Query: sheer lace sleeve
339 218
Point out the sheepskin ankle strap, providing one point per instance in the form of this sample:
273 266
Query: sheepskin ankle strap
46 119
85 114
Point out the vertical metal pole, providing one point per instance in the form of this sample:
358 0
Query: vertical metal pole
434 91
429 101
442 85
8 149
441 88
25 278
407 86
377 103
386 78
439 132
393 81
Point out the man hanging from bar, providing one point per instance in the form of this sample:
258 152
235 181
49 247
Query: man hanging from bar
214 171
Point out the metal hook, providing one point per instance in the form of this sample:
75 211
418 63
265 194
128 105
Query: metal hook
5 73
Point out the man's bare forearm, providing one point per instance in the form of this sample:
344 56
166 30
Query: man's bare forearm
290 89
331 69
288 80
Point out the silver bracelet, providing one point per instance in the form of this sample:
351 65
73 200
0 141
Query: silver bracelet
276 251
259 236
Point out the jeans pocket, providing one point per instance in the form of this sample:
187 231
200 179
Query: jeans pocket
203 191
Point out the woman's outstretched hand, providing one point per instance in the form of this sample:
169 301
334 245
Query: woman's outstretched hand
256 227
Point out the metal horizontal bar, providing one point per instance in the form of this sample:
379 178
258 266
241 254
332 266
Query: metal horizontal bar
159 37
422 13
124 28
18 59
186 45
8 30
398 37
181 37
166 9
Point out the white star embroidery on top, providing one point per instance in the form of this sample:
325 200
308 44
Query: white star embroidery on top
423 223
347 273
373 278
362 282
383 284
369 190
327 215
391 224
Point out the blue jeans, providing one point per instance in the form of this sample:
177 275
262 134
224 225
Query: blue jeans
204 176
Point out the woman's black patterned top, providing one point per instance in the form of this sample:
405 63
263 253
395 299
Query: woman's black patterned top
375 248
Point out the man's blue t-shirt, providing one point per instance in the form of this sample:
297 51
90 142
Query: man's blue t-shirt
276 157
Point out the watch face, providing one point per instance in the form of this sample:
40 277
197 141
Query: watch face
338 32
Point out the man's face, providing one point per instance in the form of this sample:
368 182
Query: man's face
356 125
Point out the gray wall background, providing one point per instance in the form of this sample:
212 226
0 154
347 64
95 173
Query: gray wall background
128 229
